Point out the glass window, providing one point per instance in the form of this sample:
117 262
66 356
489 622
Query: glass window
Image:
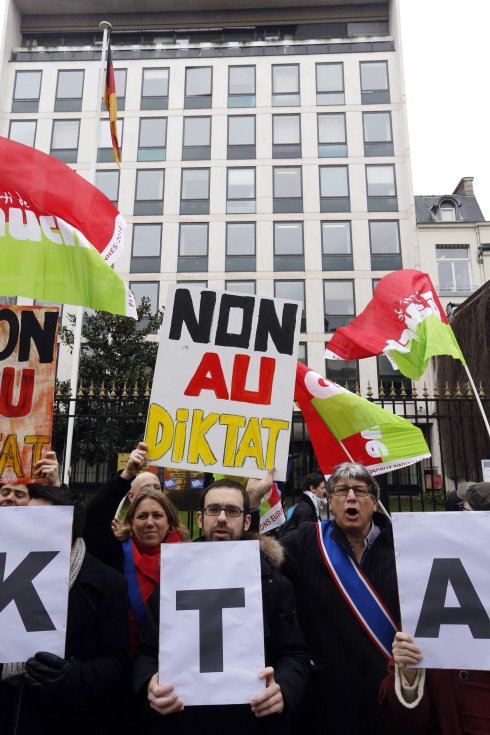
339 304
334 189
146 289
453 268
390 380
241 136
193 248
241 86
303 353
149 191
295 291
332 142
194 198
154 89
343 372
197 284
285 85
198 87
240 191
288 195
64 140
381 188
108 183
330 84
23 131
152 139
385 245
197 138
8 300
69 90
286 136
447 212
288 246
106 152
147 244
26 91
374 82
378 139
246 287
336 246
120 82
240 246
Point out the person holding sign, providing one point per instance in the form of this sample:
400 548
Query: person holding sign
14 493
225 516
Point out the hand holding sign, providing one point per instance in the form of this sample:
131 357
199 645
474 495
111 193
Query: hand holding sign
270 701
137 461
162 697
48 470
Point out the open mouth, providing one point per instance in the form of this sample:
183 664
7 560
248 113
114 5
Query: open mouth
352 512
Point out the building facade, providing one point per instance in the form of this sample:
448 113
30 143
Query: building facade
264 149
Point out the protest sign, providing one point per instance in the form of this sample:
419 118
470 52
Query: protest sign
442 562
34 566
28 367
211 625
222 393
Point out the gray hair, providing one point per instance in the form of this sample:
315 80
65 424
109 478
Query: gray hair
348 470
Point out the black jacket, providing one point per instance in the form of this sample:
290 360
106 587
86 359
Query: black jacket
98 535
348 666
98 648
305 511
284 650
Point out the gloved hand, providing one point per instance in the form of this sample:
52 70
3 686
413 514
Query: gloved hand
48 671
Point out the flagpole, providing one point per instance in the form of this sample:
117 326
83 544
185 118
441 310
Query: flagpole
106 27
475 393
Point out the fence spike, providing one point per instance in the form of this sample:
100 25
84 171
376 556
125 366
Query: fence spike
91 389
425 391
102 390
147 392
381 391
392 390
112 394
358 390
459 393
481 392
369 390
136 392
124 391
435 392
59 393
81 392
447 392
469 392
403 391
415 393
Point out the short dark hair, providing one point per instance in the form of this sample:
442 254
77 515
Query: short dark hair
231 484
356 471
313 478
62 496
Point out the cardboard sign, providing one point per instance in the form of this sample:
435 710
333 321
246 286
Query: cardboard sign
211 624
34 568
442 562
222 393
28 367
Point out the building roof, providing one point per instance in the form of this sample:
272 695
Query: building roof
469 208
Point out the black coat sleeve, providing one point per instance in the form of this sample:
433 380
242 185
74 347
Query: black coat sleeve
145 664
304 513
98 535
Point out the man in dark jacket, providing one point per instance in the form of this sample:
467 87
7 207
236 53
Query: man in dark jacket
311 502
225 517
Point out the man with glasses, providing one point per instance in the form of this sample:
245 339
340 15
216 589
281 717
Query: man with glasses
343 573
225 516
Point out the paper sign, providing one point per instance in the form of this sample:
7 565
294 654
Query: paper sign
222 393
211 623
28 367
34 567
442 562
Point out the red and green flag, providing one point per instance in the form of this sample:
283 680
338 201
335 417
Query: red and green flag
59 234
110 102
344 427
271 511
404 320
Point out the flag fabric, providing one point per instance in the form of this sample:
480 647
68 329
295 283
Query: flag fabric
111 103
271 512
59 234
404 320
344 427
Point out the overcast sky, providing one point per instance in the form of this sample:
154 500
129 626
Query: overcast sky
445 49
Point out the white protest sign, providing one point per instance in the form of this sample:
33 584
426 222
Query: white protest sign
211 623
442 562
223 387
34 567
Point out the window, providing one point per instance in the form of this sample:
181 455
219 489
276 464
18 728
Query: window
332 142
106 151
453 269
23 131
334 189
197 284
197 139
293 291
343 372
154 89
108 183
241 136
152 139
198 87
26 91
337 246
339 304
64 140
240 246
149 191
378 138
381 189
374 82
193 247
194 195
385 245
240 197
303 353
120 82
288 194
447 212
241 86
8 300
147 246
286 136
246 287
288 246
149 290
330 84
285 85
69 90
390 381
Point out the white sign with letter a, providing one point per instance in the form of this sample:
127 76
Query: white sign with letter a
442 562
211 624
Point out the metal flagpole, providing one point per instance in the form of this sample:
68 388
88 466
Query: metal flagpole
77 337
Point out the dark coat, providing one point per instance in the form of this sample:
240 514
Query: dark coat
97 646
284 650
453 703
101 510
348 666
305 511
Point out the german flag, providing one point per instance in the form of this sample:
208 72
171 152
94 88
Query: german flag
111 104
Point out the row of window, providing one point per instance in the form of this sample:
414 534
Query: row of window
288 248
198 90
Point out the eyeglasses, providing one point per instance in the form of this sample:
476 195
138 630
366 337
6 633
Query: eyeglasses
231 511
342 491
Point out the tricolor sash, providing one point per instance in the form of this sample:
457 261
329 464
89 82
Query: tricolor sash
357 591
135 598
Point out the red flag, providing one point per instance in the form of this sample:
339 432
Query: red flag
111 104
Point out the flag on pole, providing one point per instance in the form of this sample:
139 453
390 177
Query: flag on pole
404 320
59 234
271 512
111 103
344 427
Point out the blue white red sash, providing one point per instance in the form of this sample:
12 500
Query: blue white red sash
135 598
357 591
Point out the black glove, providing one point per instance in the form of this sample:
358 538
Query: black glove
48 671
